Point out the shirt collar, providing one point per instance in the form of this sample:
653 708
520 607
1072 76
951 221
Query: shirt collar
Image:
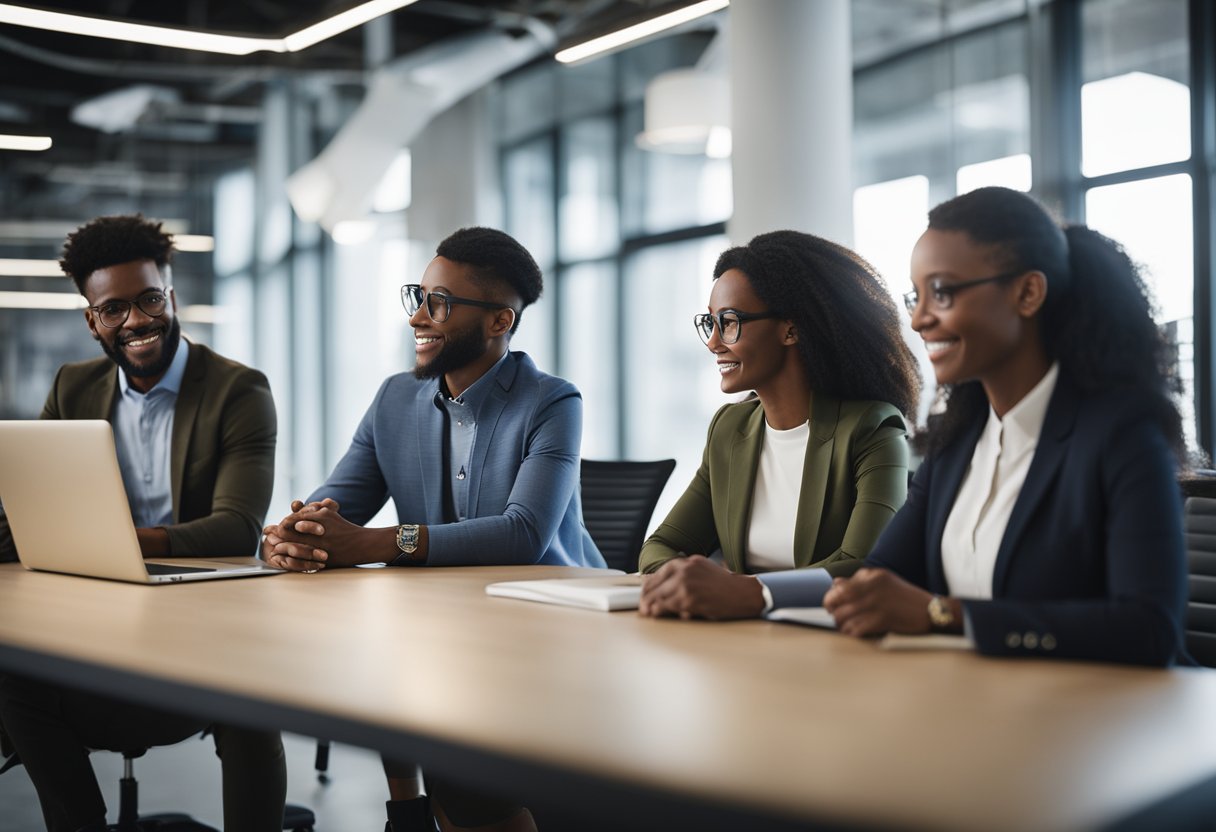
171 381
479 390
1024 421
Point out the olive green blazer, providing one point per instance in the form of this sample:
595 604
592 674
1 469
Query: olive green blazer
854 479
222 457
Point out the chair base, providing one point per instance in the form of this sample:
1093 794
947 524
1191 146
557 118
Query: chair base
163 822
298 818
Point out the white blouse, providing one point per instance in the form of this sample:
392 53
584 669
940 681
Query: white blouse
989 490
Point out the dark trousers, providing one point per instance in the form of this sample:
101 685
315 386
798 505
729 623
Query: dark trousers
52 729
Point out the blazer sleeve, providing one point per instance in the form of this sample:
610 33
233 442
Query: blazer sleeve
244 476
1139 620
880 470
545 483
689 528
357 483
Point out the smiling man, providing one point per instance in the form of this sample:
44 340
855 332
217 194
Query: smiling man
479 451
195 436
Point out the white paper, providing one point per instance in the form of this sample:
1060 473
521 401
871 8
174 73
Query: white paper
809 616
607 593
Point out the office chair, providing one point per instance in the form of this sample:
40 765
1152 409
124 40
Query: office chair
1200 525
618 501
295 818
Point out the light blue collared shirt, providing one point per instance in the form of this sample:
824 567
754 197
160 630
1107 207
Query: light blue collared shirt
143 434
462 431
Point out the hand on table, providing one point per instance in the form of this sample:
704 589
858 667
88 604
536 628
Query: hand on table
696 587
877 601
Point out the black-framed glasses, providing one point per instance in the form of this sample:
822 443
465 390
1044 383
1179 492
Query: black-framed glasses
941 295
114 313
439 304
729 323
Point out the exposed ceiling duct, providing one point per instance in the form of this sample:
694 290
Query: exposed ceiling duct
402 99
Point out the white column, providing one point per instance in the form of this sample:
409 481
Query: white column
791 71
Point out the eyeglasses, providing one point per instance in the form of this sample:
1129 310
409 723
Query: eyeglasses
115 313
941 295
439 304
729 323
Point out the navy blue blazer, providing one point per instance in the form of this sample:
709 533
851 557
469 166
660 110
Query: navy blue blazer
1092 564
524 505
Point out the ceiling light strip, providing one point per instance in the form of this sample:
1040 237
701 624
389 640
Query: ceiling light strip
25 142
621 37
30 268
339 23
99 27
41 300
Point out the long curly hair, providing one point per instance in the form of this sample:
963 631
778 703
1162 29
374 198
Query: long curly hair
848 327
1097 320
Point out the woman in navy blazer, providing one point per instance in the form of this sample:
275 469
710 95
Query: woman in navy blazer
1030 324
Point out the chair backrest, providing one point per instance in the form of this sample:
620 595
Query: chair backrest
1200 517
618 499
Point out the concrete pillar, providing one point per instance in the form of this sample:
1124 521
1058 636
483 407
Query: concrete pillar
791 69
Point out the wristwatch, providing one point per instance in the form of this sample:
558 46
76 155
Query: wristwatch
940 615
407 539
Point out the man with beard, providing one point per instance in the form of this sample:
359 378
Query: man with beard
195 436
479 451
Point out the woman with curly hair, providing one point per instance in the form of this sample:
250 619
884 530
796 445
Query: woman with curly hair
1045 520
810 469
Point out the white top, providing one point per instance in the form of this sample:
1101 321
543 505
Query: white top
770 533
989 490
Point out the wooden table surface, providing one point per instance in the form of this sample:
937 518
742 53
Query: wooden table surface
758 719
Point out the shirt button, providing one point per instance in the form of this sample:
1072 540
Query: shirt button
1013 641
460 476
1048 642
1030 641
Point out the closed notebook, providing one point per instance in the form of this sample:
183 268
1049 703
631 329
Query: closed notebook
606 593
807 616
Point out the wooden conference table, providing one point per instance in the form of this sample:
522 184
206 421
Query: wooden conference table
635 723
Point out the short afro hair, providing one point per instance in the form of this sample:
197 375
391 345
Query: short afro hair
109 241
495 256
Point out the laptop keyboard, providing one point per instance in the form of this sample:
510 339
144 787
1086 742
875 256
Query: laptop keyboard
163 569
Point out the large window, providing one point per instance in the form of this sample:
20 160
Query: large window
627 239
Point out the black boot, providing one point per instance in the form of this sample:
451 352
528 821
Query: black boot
409 815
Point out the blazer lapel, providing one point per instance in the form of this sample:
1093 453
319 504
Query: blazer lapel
824 416
185 414
741 483
949 469
100 406
1048 456
487 421
427 426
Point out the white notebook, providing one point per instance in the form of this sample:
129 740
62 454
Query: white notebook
607 593
808 616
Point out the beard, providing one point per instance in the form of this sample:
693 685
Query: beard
157 366
459 350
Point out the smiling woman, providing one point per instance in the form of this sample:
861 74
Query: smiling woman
809 470
1045 519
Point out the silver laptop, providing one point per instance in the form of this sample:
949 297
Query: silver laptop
62 490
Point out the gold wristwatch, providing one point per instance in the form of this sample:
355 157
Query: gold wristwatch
407 539
940 614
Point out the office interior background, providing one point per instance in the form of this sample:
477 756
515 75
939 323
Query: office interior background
1104 109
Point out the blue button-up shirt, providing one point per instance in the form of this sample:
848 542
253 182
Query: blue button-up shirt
143 434
462 430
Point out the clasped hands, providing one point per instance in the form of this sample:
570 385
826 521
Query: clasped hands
312 537
696 587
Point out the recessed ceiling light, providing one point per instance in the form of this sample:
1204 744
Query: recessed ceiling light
42 300
30 268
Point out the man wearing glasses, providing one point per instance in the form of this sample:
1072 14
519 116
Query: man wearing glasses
478 449
195 436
